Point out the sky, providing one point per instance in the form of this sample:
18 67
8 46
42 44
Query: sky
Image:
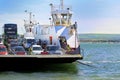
92 16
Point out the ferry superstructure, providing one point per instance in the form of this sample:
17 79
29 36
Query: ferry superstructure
61 32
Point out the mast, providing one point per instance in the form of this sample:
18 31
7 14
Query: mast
30 16
62 4
29 23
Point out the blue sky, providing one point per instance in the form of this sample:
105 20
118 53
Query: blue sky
93 16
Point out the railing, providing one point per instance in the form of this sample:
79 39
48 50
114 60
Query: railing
58 7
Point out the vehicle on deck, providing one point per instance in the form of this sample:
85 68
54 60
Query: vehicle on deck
3 50
28 41
11 45
37 49
20 42
53 49
18 50
12 41
10 32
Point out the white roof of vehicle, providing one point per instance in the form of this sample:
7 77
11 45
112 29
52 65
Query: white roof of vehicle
36 46
29 38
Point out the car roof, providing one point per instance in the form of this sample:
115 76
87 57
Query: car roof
36 46
52 45
2 46
18 47
29 38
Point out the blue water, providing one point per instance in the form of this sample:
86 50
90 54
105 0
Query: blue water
104 61
101 62
100 36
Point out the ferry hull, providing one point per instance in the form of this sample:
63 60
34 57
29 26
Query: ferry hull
37 59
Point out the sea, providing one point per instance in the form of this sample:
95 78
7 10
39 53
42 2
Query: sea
101 62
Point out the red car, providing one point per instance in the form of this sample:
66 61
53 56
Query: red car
3 50
18 50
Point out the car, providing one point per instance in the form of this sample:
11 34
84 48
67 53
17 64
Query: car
53 49
28 41
3 50
12 40
11 45
20 42
36 49
18 50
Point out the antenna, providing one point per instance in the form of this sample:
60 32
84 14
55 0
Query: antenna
30 16
30 24
62 4
51 7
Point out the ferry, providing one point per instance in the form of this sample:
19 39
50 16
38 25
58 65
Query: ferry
57 41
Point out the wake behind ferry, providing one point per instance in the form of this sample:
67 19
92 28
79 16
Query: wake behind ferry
54 43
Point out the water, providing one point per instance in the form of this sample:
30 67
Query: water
102 59
100 36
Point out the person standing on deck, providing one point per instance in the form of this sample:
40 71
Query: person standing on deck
30 51
39 41
68 49
44 44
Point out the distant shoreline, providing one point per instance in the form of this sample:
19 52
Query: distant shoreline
114 38
93 40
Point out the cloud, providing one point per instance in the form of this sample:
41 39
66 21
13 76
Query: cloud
108 25
103 25
11 18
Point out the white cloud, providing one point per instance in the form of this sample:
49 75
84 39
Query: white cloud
103 25
108 25
11 18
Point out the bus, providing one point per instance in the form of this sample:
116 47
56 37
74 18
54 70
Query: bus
10 31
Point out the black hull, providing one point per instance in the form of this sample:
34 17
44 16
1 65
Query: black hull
33 60
11 62
30 60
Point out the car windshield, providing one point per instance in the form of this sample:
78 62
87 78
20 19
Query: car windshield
52 48
13 45
2 49
30 40
37 48
19 49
